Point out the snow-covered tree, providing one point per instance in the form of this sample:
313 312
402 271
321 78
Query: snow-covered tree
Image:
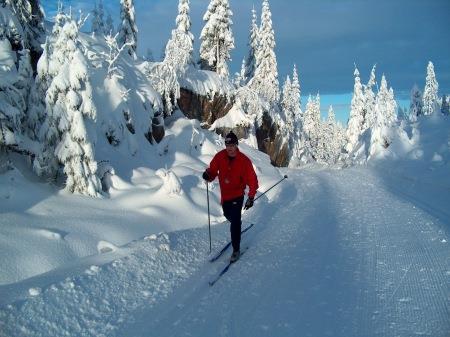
70 113
385 119
114 51
286 100
445 105
265 81
290 104
127 28
356 120
216 37
330 140
178 55
239 78
12 103
98 21
369 101
311 129
31 18
180 47
109 25
36 100
430 93
253 45
416 105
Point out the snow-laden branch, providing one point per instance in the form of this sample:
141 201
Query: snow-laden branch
114 52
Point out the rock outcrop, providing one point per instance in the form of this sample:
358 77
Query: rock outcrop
208 110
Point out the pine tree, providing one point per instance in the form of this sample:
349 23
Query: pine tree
127 28
70 113
265 81
312 127
286 96
445 106
416 105
178 55
239 78
31 18
332 138
290 104
385 119
296 97
109 25
98 22
356 120
253 45
217 38
430 93
12 103
36 102
369 101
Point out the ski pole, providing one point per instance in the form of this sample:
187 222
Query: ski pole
209 217
259 196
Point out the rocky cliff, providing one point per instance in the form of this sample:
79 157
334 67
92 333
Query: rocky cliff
207 110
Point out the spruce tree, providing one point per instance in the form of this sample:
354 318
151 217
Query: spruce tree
127 28
356 120
290 104
369 101
265 81
332 138
286 96
178 55
31 18
416 105
109 26
98 21
216 37
296 97
253 45
430 93
70 113
12 102
445 106
385 119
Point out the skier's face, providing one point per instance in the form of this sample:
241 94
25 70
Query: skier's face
231 149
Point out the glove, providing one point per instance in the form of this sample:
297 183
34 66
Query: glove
249 203
206 176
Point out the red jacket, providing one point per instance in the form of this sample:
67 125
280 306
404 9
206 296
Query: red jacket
234 175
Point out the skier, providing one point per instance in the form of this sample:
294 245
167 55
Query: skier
235 171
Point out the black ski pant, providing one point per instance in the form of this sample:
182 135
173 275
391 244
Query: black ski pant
232 209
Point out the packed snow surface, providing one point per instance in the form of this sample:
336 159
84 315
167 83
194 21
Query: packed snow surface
359 251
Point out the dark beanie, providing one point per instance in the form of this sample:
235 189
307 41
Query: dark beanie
231 138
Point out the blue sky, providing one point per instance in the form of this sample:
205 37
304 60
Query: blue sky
325 38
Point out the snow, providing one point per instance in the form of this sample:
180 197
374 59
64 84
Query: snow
235 117
206 83
360 251
8 71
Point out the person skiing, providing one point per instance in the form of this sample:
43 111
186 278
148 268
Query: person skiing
235 171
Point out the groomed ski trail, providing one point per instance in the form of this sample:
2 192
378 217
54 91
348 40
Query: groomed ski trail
336 255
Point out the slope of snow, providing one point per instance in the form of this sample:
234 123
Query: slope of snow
355 252
321 262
